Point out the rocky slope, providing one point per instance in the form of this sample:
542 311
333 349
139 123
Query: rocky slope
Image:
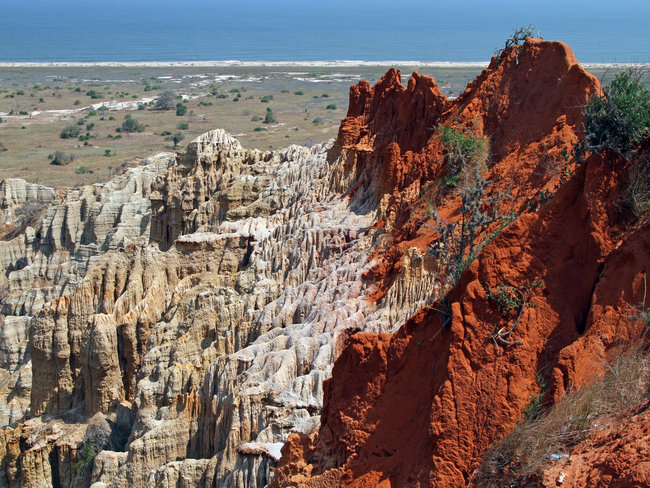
191 357
175 326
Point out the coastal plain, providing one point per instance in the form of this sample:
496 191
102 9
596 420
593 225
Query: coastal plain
307 102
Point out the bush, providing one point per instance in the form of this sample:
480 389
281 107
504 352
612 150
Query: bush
619 119
82 170
266 98
331 106
131 125
517 38
61 159
107 152
181 109
182 126
94 94
70 132
259 129
256 118
299 92
463 150
637 194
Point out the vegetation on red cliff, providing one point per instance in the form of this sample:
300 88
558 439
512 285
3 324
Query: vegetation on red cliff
421 406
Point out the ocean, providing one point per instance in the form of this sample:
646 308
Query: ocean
291 30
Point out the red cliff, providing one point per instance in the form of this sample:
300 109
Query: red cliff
420 407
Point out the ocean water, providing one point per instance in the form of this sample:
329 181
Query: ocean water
292 30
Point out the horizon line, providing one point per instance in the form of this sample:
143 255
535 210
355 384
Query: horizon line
252 64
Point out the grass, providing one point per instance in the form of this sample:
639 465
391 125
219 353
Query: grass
523 453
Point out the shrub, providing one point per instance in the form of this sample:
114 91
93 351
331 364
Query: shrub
619 119
637 194
331 106
181 109
517 38
464 152
94 94
266 98
166 133
299 92
318 120
69 132
61 159
81 122
259 129
461 241
131 125
269 119
324 95
524 451
82 170
256 118
107 152
182 126
284 91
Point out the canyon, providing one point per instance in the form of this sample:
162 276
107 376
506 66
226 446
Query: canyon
238 317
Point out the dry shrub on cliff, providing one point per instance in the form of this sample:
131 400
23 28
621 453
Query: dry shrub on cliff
637 193
623 386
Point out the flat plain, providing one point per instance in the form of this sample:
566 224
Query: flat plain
306 103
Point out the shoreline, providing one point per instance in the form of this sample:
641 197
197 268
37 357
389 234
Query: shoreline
255 64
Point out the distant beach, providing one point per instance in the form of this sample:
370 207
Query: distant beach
281 64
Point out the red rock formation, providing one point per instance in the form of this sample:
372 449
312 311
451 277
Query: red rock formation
419 407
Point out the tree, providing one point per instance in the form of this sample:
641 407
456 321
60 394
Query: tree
61 159
180 109
178 137
69 132
269 119
131 125
165 100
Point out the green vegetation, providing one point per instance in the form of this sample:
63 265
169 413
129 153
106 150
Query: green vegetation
299 92
266 98
82 170
259 129
181 109
94 94
59 158
256 118
107 152
331 106
619 119
131 125
269 119
88 457
69 132
176 138
182 126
